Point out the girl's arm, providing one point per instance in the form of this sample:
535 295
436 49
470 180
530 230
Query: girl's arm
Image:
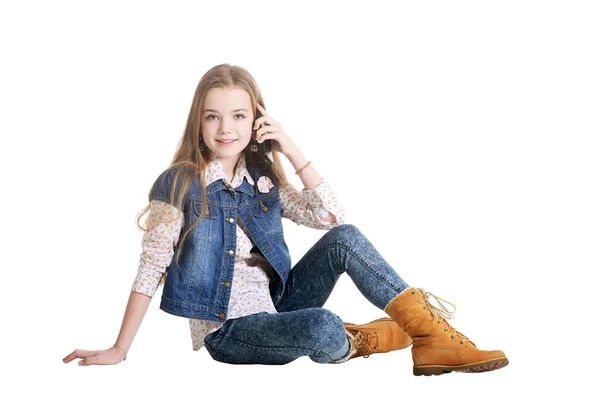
316 206
310 177
134 314
163 228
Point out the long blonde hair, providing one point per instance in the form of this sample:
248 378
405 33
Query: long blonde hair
191 161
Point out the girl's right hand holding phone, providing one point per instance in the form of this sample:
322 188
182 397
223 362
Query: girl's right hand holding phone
108 356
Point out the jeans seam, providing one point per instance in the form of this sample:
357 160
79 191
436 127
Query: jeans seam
352 252
366 265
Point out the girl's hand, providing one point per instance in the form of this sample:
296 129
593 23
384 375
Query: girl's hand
273 131
112 355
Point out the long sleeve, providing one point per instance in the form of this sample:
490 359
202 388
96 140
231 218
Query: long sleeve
311 207
164 226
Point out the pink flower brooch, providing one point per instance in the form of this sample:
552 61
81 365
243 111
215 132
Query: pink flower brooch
264 184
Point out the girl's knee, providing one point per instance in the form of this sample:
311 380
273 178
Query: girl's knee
344 232
327 328
328 336
326 317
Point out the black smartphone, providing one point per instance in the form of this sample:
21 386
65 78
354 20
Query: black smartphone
264 148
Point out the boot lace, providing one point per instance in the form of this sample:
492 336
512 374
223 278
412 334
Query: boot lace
442 313
362 344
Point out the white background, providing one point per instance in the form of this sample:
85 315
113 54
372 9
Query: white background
461 137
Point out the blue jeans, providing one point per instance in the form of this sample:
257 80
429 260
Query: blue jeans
302 327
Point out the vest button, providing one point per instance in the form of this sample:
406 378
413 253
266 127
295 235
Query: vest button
249 217
265 208
230 252
231 220
267 246
221 316
226 284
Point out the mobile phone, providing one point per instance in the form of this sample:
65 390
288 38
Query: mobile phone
264 148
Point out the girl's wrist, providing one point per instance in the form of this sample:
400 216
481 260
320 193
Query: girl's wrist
122 350
296 158
295 150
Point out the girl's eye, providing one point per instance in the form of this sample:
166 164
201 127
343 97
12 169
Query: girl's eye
242 116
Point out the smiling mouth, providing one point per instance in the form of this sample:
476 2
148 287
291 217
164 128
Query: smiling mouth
226 142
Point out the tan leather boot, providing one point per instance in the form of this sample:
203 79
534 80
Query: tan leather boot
379 336
437 346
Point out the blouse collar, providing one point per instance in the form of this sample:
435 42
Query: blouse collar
214 171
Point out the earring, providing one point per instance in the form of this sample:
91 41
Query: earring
201 146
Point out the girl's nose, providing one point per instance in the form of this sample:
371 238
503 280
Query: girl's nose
226 127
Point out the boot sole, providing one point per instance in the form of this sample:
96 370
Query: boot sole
373 321
479 367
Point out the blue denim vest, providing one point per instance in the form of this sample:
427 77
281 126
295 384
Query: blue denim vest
202 288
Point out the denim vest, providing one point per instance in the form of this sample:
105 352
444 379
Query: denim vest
202 288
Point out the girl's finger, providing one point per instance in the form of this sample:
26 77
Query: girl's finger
260 121
263 118
271 136
264 130
88 361
79 353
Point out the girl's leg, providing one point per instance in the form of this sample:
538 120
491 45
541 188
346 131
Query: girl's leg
280 338
436 348
342 249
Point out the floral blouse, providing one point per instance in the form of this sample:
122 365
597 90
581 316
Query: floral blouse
252 272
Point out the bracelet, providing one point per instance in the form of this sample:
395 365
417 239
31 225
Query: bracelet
125 358
301 170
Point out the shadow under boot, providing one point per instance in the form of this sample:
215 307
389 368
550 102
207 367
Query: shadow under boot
378 336
437 346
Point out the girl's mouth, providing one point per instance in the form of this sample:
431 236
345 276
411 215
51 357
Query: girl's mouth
226 142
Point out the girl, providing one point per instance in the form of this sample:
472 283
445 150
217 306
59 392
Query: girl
220 204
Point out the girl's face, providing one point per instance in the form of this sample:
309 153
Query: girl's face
227 115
